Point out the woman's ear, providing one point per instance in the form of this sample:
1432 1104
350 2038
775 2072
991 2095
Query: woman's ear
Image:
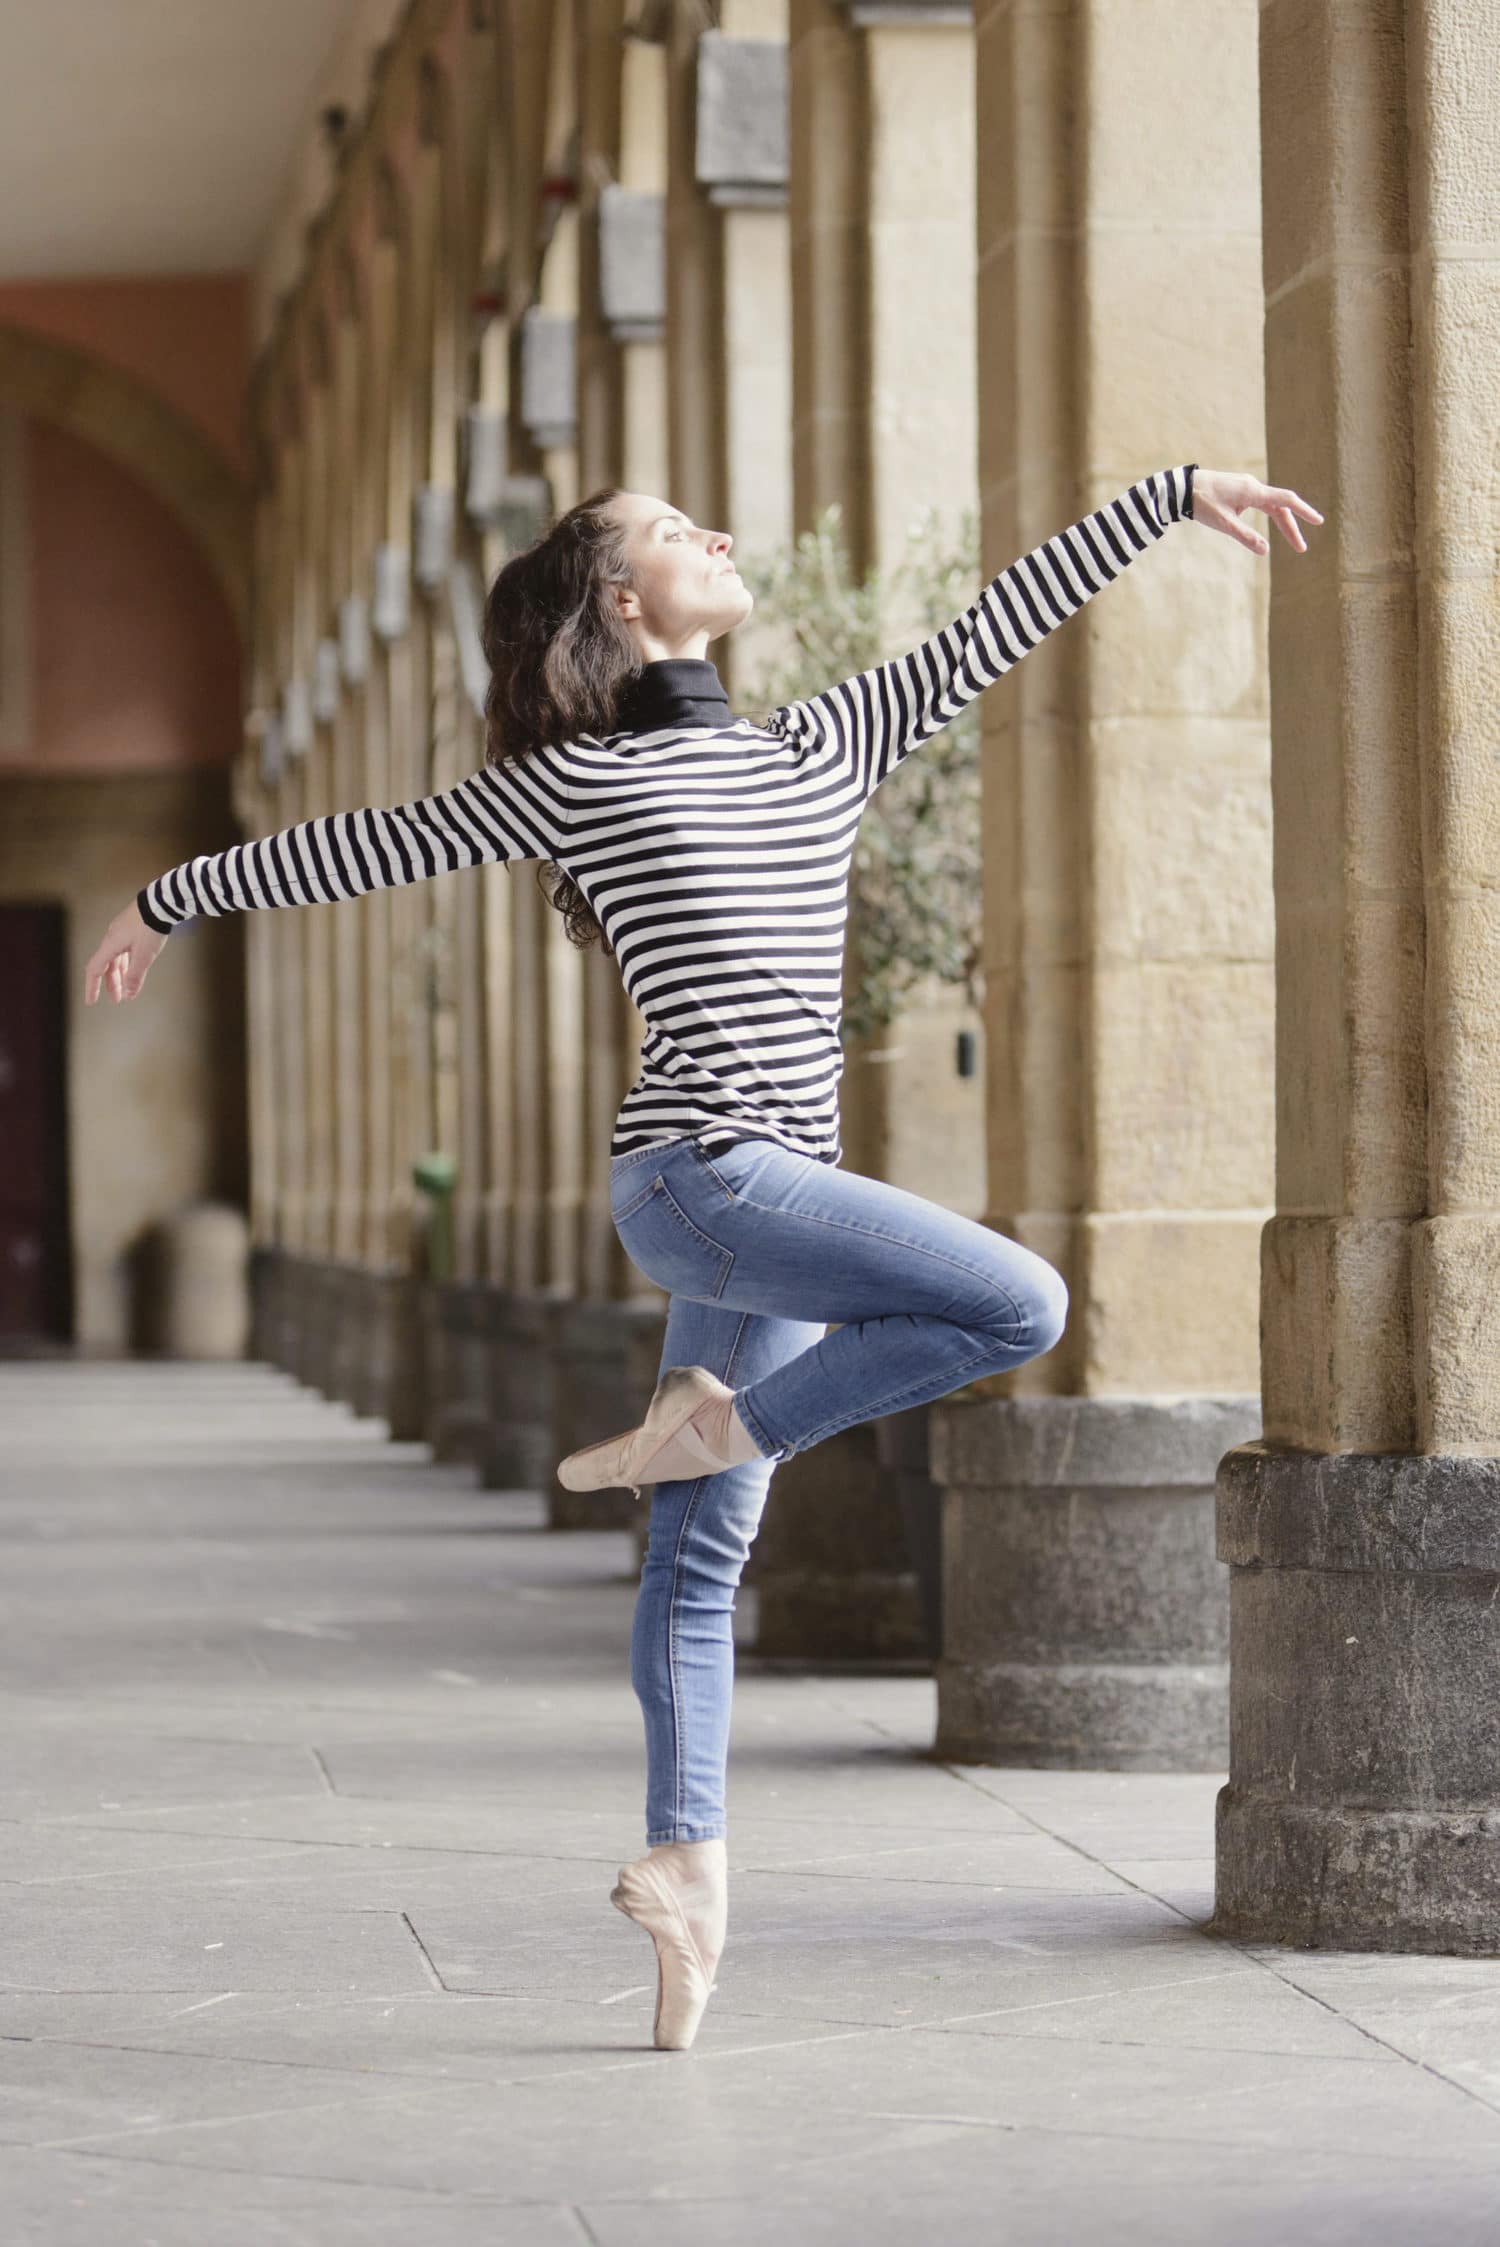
627 601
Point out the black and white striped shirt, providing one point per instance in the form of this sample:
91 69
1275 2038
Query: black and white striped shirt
715 857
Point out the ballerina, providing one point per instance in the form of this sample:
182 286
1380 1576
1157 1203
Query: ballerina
710 856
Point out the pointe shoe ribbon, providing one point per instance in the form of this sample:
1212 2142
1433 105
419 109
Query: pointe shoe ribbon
662 1447
685 1978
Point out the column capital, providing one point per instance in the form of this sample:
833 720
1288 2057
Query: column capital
633 263
549 376
741 154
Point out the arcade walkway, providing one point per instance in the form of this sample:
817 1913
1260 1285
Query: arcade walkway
318 1763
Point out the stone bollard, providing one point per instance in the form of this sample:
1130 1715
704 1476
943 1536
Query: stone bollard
206 1282
1085 1612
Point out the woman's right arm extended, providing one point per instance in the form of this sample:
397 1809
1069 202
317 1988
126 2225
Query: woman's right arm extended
512 811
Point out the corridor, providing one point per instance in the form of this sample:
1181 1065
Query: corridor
318 1763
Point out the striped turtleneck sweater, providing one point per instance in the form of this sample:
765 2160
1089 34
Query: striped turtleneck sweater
714 853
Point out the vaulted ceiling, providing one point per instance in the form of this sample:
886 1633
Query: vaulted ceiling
151 136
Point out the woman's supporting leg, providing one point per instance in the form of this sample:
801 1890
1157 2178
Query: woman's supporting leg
701 1530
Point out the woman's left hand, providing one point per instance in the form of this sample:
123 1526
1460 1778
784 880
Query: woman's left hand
1220 498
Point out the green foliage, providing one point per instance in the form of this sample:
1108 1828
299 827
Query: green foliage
914 893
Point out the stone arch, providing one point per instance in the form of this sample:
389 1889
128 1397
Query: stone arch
56 382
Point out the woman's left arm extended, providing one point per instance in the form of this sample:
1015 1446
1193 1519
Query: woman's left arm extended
881 715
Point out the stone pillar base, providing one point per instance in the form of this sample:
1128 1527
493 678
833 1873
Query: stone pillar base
1085 1617
344 1345
599 1394
390 1383
455 1323
518 1448
903 1445
1363 1804
830 1569
264 1280
320 1326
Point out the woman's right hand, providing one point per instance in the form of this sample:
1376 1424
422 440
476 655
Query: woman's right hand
122 957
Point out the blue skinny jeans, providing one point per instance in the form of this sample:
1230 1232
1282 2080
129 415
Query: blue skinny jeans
760 1250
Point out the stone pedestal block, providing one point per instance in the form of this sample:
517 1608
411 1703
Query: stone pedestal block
645 1345
599 1393
455 1323
318 1289
345 1337
1085 1616
903 1447
1363 1805
391 1378
265 1270
830 1568
291 1313
519 1445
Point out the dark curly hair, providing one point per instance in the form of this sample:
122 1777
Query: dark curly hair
560 655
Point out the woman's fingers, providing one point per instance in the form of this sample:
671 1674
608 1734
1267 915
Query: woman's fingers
110 968
1296 503
95 972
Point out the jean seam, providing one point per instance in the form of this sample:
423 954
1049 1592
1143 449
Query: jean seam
690 1514
704 1240
890 1404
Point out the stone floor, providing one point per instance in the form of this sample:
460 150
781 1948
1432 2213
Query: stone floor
318 1763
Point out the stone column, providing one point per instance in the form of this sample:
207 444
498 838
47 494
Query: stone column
882 123
338 699
1361 1809
536 1062
392 964
620 305
740 167
285 808
315 923
260 762
1127 886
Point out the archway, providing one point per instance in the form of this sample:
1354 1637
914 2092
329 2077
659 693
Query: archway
54 382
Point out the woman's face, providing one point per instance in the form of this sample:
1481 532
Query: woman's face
684 589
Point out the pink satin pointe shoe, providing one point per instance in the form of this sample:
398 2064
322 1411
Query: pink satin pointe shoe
679 1894
666 1445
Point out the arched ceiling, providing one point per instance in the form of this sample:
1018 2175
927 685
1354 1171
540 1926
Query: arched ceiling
152 136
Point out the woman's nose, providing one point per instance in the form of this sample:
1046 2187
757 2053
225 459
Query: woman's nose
720 542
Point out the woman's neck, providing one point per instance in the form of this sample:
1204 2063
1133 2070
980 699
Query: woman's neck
673 691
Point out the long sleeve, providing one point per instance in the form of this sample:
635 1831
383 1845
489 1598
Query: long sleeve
878 717
513 811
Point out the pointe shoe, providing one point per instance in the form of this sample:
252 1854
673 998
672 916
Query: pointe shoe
684 1968
648 1453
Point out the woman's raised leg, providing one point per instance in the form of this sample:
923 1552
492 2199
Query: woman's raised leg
921 1298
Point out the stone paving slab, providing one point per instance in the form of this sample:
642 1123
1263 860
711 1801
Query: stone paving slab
81 2199
319 1762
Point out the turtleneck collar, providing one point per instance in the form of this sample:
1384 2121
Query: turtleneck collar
679 690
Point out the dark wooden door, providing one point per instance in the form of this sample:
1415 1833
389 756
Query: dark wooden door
35 1259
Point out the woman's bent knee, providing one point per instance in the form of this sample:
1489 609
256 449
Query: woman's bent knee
1049 1311
1031 1317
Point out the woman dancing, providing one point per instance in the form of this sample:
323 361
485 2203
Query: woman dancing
711 856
